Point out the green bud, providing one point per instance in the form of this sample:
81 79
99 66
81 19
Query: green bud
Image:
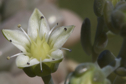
114 2
119 4
105 58
98 7
118 19
108 8
88 73
121 71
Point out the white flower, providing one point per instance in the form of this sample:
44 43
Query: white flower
39 44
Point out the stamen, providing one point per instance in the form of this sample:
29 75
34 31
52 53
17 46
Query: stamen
53 59
51 31
41 65
19 26
66 49
14 55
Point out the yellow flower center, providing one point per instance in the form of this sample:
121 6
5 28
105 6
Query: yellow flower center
39 49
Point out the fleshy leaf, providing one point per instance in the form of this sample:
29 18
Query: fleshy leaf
86 36
98 7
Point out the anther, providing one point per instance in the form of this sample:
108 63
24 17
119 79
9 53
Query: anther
53 59
65 29
70 50
28 63
8 58
19 25
42 17
21 51
66 49
57 23
10 40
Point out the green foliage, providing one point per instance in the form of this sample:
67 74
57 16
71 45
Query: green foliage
111 18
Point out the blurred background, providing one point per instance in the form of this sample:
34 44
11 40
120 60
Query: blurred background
65 12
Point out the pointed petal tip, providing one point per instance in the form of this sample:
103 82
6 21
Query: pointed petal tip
2 30
36 9
73 26
4 33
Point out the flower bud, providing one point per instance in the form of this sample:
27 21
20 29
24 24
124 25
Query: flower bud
118 19
88 73
105 58
121 71
108 8
98 7
114 2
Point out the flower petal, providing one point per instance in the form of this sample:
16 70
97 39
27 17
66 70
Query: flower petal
44 27
33 62
21 61
17 37
51 60
57 54
37 23
60 36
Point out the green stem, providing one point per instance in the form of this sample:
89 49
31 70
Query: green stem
47 79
